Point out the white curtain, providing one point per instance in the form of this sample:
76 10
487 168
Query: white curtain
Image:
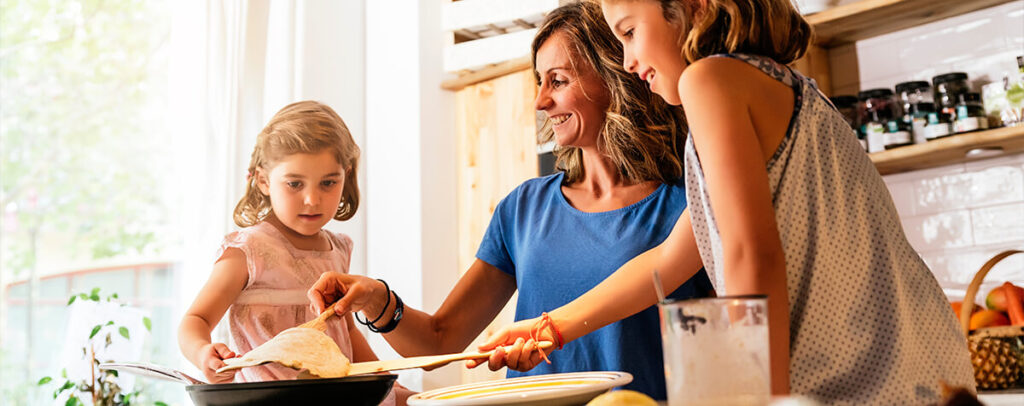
219 49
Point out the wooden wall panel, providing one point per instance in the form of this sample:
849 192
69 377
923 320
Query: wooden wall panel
497 150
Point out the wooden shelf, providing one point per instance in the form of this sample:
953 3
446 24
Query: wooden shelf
869 18
950 150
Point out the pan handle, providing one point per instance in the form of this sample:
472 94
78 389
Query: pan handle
152 371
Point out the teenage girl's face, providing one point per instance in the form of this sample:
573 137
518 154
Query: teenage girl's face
305 190
649 44
571 94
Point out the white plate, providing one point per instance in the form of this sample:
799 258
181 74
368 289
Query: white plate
575 388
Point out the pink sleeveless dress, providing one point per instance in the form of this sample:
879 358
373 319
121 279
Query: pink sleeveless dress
274 299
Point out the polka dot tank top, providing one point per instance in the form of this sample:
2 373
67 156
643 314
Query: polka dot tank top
868 321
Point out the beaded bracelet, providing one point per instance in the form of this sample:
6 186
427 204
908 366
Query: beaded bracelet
397 317
382 311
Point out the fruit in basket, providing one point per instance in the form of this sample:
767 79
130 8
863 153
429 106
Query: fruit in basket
988 318
958 304
998 362
996 299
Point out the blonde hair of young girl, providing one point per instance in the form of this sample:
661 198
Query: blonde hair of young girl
771 28
305 127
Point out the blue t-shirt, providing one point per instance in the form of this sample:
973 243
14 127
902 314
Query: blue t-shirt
557 253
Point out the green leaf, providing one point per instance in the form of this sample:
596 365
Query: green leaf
95 295
149 323
72 401
124 332
94 331
64 373
159 403
72 300
45 380
113 296
83 296
109 323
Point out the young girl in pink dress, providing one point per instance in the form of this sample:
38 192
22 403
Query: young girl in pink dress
302 175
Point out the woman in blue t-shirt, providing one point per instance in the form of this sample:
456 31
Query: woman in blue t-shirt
553 238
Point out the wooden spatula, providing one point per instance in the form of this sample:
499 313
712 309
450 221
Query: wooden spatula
360 368
320 322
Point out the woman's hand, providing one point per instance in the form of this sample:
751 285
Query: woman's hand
352 293
211 358
514 346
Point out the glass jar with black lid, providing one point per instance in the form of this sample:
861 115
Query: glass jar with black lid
916 101
970 114
879 107
948 87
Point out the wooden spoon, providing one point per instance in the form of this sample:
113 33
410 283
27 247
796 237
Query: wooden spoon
360 368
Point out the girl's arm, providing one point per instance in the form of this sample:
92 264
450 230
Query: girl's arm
474 302
721 97
227 280
361 352
624 293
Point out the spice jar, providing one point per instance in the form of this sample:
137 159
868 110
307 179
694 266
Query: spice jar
917 101
879 108
948 87
970 114
897 134
938 126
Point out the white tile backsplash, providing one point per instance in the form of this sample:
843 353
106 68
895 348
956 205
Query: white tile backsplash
956 216
984 44
998 224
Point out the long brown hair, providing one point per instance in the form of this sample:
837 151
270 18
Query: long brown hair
641 134
772 28
305 127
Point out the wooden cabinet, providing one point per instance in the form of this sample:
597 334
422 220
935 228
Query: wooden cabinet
843 25
497 150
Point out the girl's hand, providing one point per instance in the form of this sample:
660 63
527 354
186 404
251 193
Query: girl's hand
211 358
353 293
515 347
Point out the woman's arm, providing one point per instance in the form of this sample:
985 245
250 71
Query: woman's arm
226 282
717 97
475 301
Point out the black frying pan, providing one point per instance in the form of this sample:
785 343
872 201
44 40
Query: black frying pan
360 390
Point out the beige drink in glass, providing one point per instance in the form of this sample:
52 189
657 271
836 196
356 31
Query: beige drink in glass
716 351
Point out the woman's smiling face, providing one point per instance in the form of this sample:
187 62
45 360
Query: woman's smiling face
649 44
571 93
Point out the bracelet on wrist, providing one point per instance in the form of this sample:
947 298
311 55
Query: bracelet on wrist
395 318
382 311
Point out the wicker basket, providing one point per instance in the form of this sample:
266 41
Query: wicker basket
995 351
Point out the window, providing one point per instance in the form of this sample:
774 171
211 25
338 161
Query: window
84 178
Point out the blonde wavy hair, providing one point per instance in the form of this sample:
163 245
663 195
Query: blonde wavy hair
641 134
772 28
305 127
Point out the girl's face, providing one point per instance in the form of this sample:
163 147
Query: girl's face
305 190
572 94
649 44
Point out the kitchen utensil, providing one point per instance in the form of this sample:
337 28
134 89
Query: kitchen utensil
657 286
320 322
568 389
364 390
360 368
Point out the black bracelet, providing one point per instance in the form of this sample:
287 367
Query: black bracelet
382 311
397 317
